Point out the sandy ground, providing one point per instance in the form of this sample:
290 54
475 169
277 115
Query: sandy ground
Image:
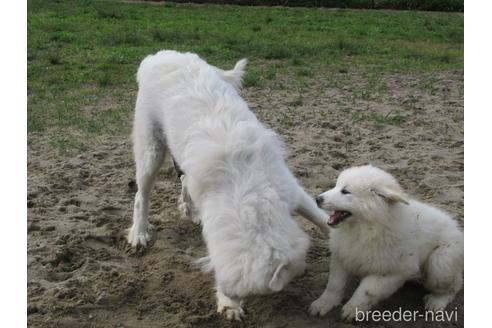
81 272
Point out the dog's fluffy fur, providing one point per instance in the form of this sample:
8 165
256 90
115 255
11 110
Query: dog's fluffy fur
385 238
235 178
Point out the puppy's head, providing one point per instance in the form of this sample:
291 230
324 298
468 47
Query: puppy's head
361 193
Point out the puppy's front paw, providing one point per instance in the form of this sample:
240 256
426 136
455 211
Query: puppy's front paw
349 312
136 237
322 305
231 312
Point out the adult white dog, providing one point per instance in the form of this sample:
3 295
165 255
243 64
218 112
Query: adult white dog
235 175
386 239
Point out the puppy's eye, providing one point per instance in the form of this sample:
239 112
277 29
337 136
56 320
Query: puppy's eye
345 191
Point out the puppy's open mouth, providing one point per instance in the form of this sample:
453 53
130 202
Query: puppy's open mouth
338 216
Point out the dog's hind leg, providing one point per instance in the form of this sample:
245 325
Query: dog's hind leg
185 204
306 206
443 275
438 302
149 151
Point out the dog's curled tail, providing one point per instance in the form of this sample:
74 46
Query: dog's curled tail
235 75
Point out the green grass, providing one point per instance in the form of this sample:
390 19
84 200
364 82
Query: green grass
84 54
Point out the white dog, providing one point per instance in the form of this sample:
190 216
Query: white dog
234 175
386 239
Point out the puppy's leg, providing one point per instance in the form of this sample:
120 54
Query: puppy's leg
306 206
230 308
438 302
371 290
439 299
149 152
332 296
443 276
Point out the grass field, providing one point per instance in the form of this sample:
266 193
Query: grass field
83 55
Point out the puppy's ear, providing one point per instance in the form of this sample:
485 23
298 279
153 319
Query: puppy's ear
279 278
391 196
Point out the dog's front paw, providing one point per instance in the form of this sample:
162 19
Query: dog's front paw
137 237
228 307
349 312
322 305
231 311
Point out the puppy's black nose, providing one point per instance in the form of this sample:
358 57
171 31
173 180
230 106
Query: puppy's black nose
319 200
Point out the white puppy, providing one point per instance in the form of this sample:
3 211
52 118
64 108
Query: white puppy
234 175
386 239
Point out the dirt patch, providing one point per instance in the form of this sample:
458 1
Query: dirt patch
81 272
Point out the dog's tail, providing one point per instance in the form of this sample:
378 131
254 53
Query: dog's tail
235 75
